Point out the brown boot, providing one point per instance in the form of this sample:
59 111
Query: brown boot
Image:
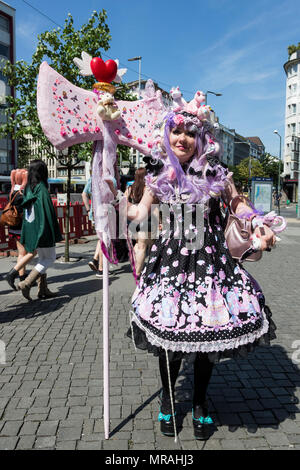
26 285
44 292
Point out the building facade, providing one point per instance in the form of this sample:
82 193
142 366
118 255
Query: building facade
257 148
292 126
8 154
226 137
57 172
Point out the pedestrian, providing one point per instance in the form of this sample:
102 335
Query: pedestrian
18 179
134 194
198 302
96 264
40 231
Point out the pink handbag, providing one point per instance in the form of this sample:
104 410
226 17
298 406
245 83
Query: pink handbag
238 232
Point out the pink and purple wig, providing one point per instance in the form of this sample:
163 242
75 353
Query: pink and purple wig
193 179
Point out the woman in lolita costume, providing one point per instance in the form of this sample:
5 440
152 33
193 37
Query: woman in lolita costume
40 232
194 301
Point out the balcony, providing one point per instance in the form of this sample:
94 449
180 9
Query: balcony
294 166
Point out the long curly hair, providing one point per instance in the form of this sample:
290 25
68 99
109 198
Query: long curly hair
191 178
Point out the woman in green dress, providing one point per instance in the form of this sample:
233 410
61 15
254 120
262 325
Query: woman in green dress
40 231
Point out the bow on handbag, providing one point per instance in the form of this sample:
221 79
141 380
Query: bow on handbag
239 230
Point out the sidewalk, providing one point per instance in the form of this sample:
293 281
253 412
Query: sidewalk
51 385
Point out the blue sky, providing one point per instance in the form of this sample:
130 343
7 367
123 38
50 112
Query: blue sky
233 47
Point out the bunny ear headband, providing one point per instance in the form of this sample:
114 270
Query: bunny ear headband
191 115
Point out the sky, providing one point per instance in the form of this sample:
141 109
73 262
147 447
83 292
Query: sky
233 47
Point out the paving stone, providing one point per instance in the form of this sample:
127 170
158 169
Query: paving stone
66 445
45 442
11 428
115 444
14 415
29 428
213 444
48 428
69 434
142 436
8 443
26 443
255 443
53 383
94 445
277 439
232 444
290 427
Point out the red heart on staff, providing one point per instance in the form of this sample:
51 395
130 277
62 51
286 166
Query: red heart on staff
104 71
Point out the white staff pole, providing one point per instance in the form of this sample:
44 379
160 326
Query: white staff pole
105 288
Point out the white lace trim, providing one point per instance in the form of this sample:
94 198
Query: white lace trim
205 347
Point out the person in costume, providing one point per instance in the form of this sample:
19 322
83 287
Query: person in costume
18 179
134 194
96 264
196 302
40 231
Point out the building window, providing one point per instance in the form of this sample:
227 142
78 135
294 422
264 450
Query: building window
294 108
4 51
78 171
4 23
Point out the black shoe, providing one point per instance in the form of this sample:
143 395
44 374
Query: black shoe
94 265
202 425
167 424
10 277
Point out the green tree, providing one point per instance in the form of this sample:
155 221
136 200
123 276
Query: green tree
243 170
271 166
58 47
292 48
235 171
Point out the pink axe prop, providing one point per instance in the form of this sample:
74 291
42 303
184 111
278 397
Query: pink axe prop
71 115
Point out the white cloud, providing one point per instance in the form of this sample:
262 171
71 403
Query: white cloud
241 66
277 95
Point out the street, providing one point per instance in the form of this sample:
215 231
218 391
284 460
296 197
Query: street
51 383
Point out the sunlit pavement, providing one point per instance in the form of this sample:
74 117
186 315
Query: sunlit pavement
51 385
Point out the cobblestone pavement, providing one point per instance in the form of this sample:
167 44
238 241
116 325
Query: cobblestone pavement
51 384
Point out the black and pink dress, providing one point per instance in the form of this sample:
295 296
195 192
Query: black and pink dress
199 300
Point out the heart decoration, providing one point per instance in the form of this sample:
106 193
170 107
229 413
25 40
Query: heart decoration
104 71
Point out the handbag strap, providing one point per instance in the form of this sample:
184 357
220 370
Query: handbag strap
12 200
235 201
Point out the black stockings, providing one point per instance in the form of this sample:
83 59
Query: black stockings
202 374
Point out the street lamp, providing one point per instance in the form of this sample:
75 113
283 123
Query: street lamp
140 67
212 93
279 168
139 58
